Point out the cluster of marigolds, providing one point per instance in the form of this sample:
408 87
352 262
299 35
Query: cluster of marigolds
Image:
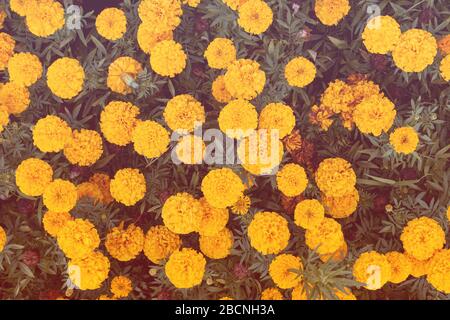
356 100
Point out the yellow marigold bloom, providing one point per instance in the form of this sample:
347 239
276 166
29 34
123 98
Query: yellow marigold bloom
78 238
121 74
444 68
185 268
300 72
14 97
234 4
268 232
238 119
299 293
335 177
165 14
2 239
444 45
181 213
280 271
84 148
7 44
222 187
54 222
244 79
415 50
118 121
241 206
33 176
271 294
51 134
337 256
419 268
148 36
326 238
374 115
150 139
125 244
373 269
255 16
343 206
89 272
309 214
292 180
21 7
183 113
261 152
439 271
404 140
220 53
24 69
60 72
190 149
111 24
167 58
128 186
212 220
422 237
4 118
60 196
381 34
400 266
219 90
121 287
89 190
217 246
277 116
102 181
330 12
45 17
160 243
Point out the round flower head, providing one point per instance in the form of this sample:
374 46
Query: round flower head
255 16
65 78
148 36
444 45
281 271
33 176
121 74
190 149
222 187
444 68
84 148
88 190
185 268
3 239
212 220
111 24
102 181
373 269
78 238
128 186
51 134
150 139
439 271
121 287
234 4
125 244
45 17
54 222
326 237
374 115
300 72
21 7
7 44
220 53
330 12
241 206
24 69
217 246
238 119
419 268
244 79
219 90
381 34
118 121
268 232
415 50
400 266
163 14
404 140
343 206
167 58
90 272
14 97
183 113
309 214
337 256
277 116
181 213
422 237
292 180
60 196
335 177
160 243
299 293
271 294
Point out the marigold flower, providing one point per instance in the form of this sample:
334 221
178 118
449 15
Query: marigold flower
185 268
299 293
238 119
373 269
309 214
281 271
14 97
84 148
190 149
90 272
125 244
121 287
3 239
183 113
419 268
292 180
346 294
271 294
241 206
300 72
444 45
21 7
33 176
219 90
60 196
343 206
212 220
148 36
374 115
54 222
220 53
244 79
128 186
181 213
78 238
44 17
444 68
111 24
326 237
335 177
337 256
102 181
167 58
217 246
24 68
165 14
7 44
121 73
400 266
268 232
160 243
330 12
150 139
58 74
89 190
381 34
118 121
255 16
222 187
51 134
404 140
439 271
277 116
